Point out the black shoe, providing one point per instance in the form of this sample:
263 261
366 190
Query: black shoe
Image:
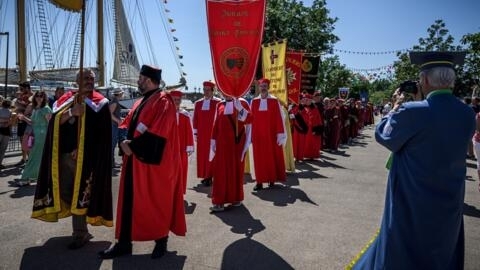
207 181
80 241
116 251
271 184
160 248
258 187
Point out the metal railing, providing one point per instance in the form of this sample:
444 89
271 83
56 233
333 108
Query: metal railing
14 143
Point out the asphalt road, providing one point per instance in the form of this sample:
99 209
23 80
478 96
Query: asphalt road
327 211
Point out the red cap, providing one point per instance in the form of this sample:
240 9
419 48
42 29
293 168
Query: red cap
264 80
209 83
176 93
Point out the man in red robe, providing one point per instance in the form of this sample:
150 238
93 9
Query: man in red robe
185 133
150 200
203 116
75 177
268 138
301 127
230 141
314 137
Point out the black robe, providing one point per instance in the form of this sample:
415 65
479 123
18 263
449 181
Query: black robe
92 194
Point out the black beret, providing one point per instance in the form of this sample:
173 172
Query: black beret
151 72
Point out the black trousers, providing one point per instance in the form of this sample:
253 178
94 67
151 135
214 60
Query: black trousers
127 205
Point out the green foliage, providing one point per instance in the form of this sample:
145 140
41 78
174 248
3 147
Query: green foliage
305 28
439 39
333 75
310 29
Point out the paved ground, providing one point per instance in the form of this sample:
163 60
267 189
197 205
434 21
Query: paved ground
325 214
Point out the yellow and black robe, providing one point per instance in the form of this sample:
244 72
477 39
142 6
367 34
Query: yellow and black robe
92 188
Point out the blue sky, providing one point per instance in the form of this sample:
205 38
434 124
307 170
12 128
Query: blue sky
362 26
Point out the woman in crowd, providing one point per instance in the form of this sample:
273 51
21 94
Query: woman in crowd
39 121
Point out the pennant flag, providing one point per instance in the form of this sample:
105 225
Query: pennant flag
273 64
71 5
170 20
167 10
175 39
293 69
173 30
180 56
235 31
364 96
310 65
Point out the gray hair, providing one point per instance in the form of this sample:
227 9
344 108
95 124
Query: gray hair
440 77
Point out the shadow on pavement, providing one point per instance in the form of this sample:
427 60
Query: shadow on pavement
200 188
241 221
170 261
250 254
470 210
283 195
54 254
189 207
11 170
20 192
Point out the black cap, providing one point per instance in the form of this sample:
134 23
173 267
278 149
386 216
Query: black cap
151 72
427 60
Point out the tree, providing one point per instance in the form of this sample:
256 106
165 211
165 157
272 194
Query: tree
439 39
470 73
333 75
306 28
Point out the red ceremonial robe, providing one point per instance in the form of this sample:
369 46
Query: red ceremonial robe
333 127
230 135
203 117
267 127
154 169
186 143
300 131
314 137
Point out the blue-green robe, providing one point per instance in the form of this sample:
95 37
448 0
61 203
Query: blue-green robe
422 226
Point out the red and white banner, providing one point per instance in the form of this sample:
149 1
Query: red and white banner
235 30
293 68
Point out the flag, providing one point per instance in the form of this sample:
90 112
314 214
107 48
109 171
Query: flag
273 64
293 70
310 65
343 92
71 5
235 31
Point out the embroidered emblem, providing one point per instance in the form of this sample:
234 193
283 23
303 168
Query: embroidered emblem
45 201
85 201
234 62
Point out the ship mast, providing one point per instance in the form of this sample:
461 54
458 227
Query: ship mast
21 45
100 44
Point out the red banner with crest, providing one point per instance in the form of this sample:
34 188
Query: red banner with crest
293 66
235 30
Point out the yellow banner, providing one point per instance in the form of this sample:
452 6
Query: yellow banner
273 63
72 5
